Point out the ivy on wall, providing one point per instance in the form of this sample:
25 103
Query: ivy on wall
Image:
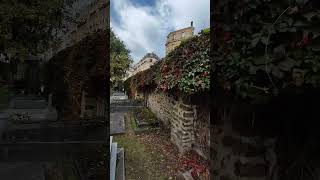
81 67
185 69
264 47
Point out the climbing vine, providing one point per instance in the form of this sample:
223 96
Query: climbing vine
263 47
77 68
185 70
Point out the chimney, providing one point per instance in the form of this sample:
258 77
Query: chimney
191 23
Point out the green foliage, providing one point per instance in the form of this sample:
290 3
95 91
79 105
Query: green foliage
120 59
145 114
185 69
206 31
29 26
263 47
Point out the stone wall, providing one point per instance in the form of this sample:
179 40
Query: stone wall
181 117
239 157
202 130
242 146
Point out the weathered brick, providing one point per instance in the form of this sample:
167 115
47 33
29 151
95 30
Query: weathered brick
188 114
190 124
186 139
186 108
179 115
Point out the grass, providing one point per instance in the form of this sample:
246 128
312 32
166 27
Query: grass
146 115
140 163
138 130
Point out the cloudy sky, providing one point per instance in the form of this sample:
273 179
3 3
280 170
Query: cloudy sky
143 25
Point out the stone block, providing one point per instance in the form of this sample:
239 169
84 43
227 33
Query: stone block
186 139
187 128
187 124
185 107
188 114
187 145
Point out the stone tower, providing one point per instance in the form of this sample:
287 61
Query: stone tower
174 38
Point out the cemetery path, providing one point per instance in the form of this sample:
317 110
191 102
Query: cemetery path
140 163
149 156
152 156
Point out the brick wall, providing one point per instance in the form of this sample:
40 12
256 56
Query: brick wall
234 155
181 117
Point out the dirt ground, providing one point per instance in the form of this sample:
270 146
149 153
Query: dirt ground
152 156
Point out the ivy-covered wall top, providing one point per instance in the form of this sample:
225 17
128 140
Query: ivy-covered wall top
185 70
265 47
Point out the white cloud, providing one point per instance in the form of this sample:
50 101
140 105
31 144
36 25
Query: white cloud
144 28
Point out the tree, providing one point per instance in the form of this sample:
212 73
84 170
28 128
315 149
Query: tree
120 60
28 26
